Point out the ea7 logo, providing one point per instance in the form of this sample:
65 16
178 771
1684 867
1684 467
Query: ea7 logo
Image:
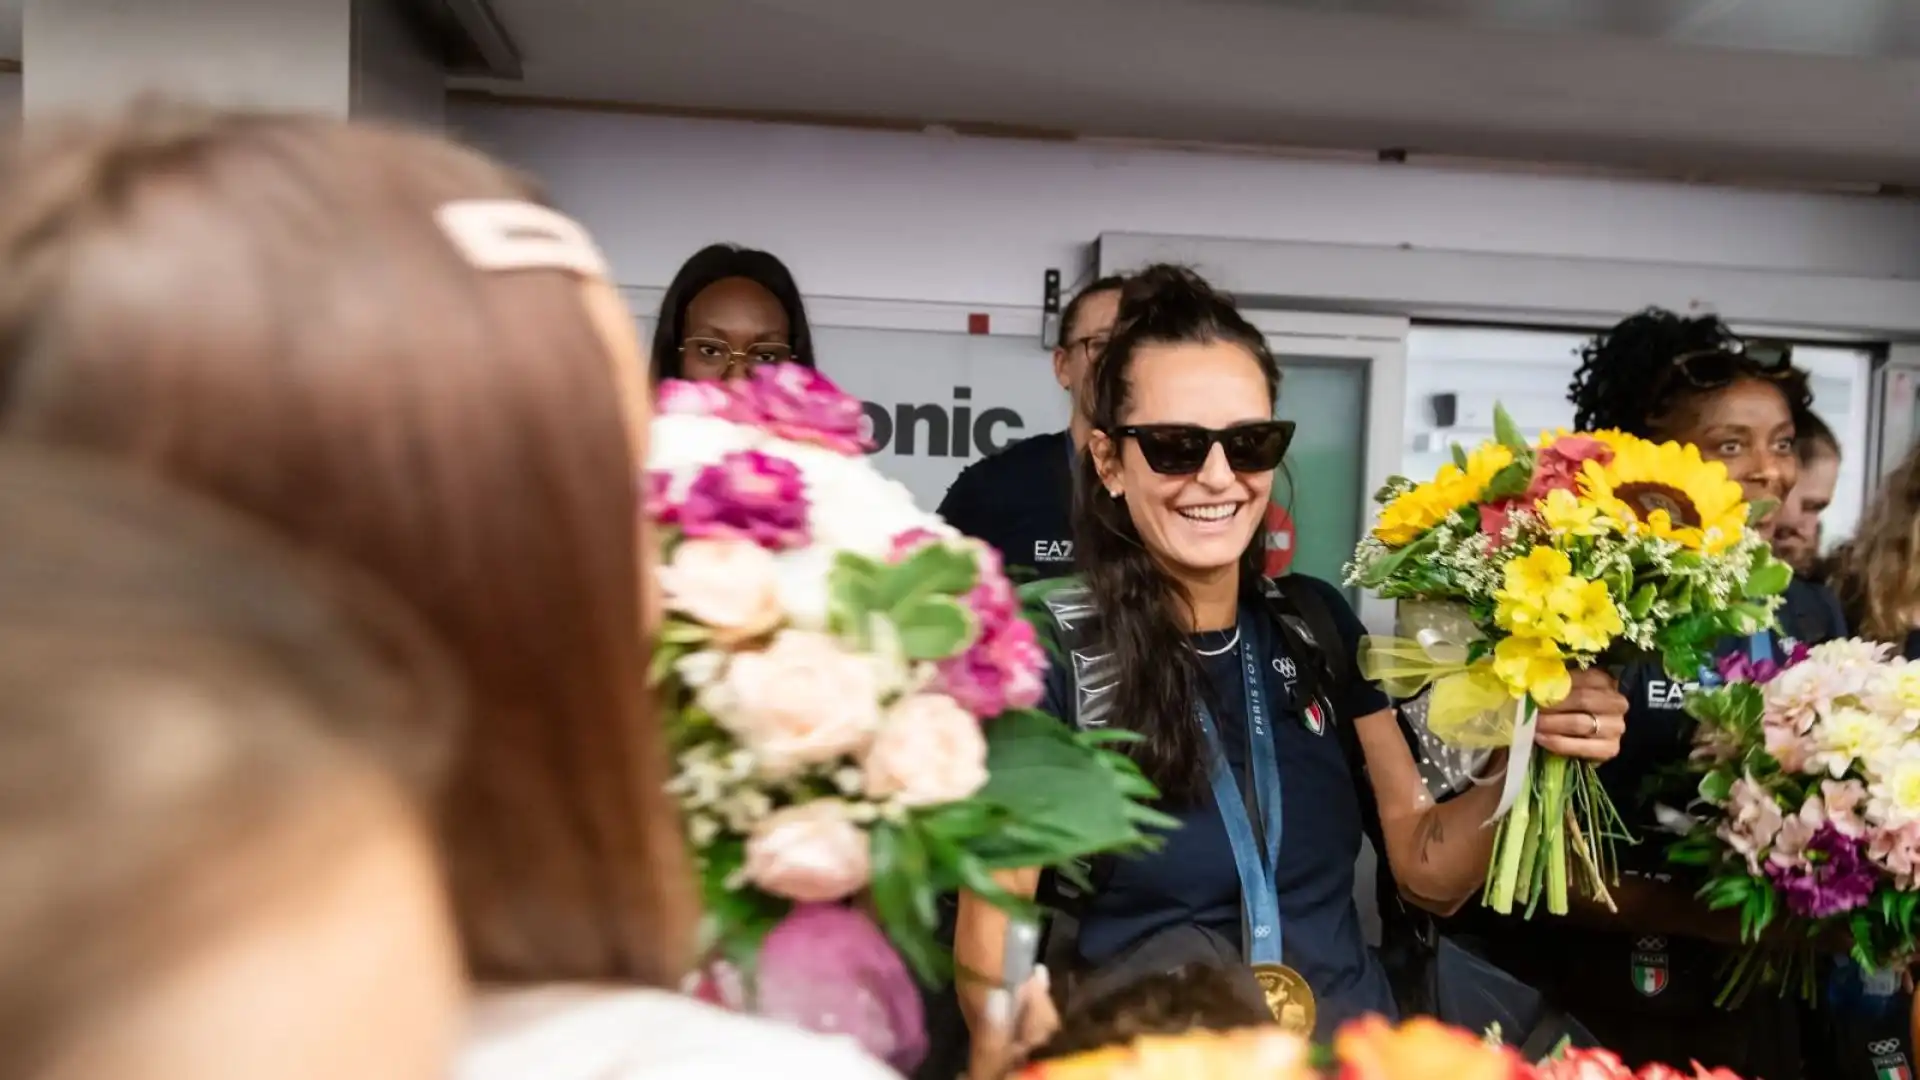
1666 694
1052 551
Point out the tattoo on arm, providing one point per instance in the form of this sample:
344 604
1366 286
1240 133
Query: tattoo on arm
1432 831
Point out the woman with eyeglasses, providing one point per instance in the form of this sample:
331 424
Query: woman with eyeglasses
1274 757
1644 979
729 310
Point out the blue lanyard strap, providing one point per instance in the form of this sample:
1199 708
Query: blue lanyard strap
1259 897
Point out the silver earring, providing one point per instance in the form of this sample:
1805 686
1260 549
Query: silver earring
1113 493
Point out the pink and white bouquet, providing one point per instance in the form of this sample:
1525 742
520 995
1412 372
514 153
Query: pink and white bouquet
1810 772
850 682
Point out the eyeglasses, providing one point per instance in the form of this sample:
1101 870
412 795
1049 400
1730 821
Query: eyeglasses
1181 449
1094 344
1711 369
712 353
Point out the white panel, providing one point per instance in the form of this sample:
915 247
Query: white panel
940 401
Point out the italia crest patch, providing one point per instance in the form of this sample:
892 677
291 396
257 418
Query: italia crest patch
1650 967
1888 1062
1316 717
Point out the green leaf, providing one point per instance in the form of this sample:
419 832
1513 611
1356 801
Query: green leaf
1642 600
736 920
1510 482
1760 508
853 589
1459 456
1063 797
1507 432
932 627
1768 578
1717 786
933 570
900 870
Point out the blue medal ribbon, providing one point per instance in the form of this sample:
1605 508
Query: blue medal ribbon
1259 896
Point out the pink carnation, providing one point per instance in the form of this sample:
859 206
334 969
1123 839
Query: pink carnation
656 498
799 403
682 397
1557 467
1002 668
748 495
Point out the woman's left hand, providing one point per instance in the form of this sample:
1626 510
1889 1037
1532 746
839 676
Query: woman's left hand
1589 722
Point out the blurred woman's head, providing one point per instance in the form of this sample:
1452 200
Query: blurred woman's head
376 344
1664 376
214 763
729 310
1174 489
1877 572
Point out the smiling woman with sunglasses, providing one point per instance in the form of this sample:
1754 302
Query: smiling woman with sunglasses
1274 764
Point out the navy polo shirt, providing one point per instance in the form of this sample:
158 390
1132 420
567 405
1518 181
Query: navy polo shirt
1192 878
1020 501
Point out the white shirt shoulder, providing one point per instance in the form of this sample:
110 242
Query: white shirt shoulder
579 1033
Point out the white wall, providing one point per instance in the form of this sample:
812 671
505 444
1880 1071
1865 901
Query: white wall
977 221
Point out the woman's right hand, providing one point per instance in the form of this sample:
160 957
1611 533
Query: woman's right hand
1015 1025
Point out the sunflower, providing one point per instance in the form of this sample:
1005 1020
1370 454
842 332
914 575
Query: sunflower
1668 490
1420 508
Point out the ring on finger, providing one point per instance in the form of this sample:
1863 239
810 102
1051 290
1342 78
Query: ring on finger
1595 733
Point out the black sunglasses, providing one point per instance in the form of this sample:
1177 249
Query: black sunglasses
1711 369
1178 449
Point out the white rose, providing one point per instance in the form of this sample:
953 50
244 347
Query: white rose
802 701
928 751
811 853
682 445
853 507
728 585
801 578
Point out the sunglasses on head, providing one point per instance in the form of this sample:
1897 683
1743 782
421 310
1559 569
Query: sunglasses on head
1177 449
1711 369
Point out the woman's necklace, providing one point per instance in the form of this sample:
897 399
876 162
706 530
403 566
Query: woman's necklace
1222 650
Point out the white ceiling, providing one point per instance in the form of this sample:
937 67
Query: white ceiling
1810 90
1825 90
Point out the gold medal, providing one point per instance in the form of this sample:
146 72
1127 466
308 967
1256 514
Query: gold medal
1288 996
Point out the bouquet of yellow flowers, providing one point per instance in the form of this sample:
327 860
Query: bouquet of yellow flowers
1521 560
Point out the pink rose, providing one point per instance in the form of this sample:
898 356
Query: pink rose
1557 467
801 701
727 585
811 853
929 751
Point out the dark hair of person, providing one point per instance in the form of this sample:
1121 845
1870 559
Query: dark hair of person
198 721
1071 313
1626 380
1144 612
1198 997
711 265
1876 574
266 310
1813 439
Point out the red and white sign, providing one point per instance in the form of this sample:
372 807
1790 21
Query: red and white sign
1279 540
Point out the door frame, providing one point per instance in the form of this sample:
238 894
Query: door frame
1378 346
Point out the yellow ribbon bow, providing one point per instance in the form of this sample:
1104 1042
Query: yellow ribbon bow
1471 708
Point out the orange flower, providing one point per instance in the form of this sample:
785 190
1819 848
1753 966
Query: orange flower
1420 1049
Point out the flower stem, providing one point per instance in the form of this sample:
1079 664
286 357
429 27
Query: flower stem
1554 822
1514 836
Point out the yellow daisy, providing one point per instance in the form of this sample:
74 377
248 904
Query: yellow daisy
1403 520
1668 490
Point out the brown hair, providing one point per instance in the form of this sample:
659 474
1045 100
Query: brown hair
188 710
1877 573
1197 997
265 309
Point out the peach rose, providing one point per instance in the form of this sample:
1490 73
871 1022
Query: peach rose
929 751
811 853
803 700
728 585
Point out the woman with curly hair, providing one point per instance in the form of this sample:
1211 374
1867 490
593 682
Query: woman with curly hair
1644 977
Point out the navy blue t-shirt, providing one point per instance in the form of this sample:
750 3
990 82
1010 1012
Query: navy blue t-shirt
1020 501
1192 878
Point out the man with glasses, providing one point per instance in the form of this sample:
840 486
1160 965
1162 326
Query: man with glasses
1020 500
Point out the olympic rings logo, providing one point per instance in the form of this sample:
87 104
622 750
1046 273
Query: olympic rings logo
1884 1046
